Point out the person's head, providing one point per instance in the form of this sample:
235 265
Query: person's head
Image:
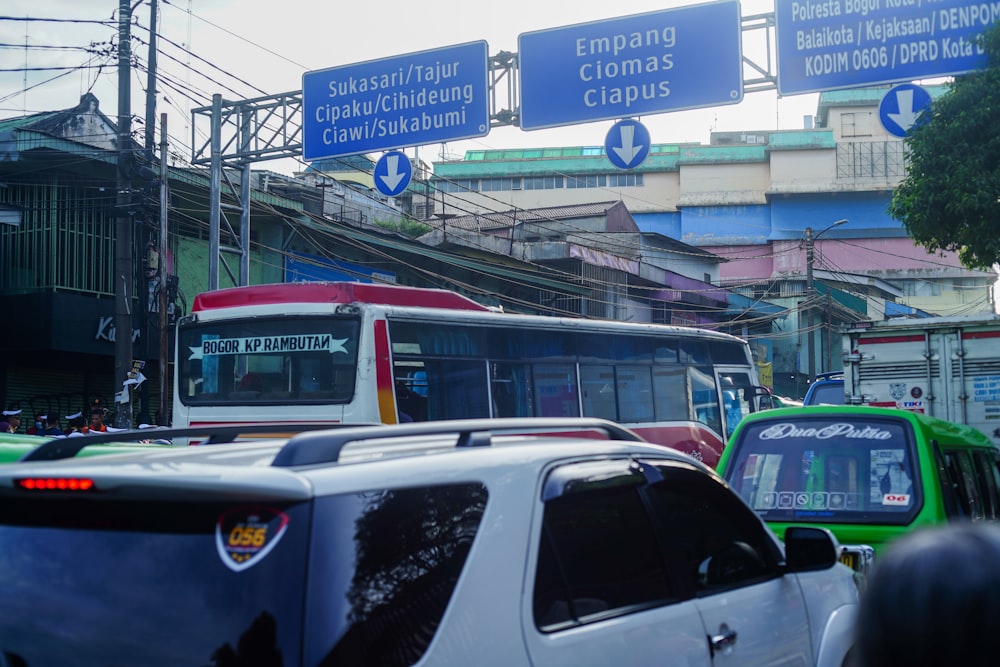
12 417
76 420
52 419
97 417
933 600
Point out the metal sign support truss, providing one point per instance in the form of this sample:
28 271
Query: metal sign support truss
270 128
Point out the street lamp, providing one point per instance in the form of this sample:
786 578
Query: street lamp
810 294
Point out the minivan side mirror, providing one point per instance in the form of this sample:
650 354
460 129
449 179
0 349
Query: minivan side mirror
808 548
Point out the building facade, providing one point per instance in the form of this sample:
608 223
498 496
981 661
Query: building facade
770 203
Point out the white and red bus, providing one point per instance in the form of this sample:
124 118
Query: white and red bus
354 352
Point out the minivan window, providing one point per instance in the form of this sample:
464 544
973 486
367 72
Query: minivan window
964 481
828 469
987 475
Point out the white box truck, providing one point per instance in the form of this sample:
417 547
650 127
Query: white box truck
947 367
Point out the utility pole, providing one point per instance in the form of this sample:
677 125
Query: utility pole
146 274
151 87
811 294
124 267
164 275
808 312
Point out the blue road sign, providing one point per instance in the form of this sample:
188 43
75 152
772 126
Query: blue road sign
408 100
901 106
627 144
393 172
830 44
668 60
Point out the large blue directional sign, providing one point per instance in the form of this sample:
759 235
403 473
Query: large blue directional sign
901 107
392 173
661 61
408 100
627 144
830 44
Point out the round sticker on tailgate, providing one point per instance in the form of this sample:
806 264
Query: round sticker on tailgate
244 537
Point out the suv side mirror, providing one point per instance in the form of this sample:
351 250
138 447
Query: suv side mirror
808 548
765 395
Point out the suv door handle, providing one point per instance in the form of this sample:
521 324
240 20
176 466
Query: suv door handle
723 642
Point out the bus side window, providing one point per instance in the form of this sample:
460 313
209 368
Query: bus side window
510 385
705 400
555 390
457 389
411 405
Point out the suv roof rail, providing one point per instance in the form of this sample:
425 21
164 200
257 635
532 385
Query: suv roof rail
64 448
315 448
829 375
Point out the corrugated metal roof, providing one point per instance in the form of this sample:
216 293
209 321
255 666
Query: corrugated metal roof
499 220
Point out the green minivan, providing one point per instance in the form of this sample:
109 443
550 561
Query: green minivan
14 446
868 474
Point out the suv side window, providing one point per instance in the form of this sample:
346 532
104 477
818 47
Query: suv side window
395 555
598 554
621 536
716 541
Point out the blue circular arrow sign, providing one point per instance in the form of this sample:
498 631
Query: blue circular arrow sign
627 143
901 106
393 172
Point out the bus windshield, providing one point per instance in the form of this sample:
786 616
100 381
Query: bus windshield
827 469
268 360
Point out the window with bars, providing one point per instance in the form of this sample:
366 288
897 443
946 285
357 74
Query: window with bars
871 159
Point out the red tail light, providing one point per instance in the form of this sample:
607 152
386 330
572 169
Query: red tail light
55 484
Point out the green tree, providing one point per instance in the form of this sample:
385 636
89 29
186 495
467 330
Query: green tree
950 197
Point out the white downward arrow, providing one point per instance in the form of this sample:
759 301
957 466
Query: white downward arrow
392 176
907 115
627 152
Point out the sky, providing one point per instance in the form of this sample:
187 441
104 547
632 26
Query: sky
245 49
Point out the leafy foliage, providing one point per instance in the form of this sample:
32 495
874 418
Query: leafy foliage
411 228
950 197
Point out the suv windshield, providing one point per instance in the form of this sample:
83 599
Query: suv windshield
842 468
826 392
203 575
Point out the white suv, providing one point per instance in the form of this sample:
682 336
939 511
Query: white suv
486 542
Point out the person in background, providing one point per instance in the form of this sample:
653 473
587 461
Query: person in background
97 420
77 424
51 427
932 600
38 426
11 421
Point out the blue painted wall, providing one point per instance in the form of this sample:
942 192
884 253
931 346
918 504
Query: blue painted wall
785 218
